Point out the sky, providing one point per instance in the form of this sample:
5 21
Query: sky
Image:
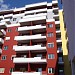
10 4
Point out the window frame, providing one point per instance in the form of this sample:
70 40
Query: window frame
51 57
50 25
6 47
50 34
50 45
52 70
9 30
2 69
5 56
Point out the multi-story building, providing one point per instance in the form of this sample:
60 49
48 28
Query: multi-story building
69 18
32 40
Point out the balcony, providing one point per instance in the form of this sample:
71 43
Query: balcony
36 11
26 73
18 15
2 25
8 15
55 9
57 22
58 31
58 40
29 60
0 50
54 2
55 16
26 28
59 50
6 20
60 62
1 41
36 18
1 17
3 32
36 5
27 48
35 15
31 37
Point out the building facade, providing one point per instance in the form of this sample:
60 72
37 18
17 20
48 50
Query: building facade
32 40
69 17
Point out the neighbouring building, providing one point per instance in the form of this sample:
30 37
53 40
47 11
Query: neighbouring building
69 19
33 40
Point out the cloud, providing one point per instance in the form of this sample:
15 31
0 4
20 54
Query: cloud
3 6
1 1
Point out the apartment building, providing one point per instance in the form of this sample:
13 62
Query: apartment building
69 18
32 40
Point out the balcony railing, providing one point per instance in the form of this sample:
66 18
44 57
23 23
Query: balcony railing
58 31
3 31
6 20
60 62
58 40
27 48
2 25
0 50
31 37
36 17
29 60
36 11
26 73
1 41
8 15
59 49
25 28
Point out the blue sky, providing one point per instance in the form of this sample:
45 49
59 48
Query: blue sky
8 4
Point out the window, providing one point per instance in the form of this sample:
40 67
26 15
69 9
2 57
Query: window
51 56
2 70
22 69
50 25
50 34
5 47
60 59
3 57
9 30
7 38
39 55
50 45
51 70
39 69
14 19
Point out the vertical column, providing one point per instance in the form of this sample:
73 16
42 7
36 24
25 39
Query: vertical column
29 50
51 47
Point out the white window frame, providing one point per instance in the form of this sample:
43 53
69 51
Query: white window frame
50 45
50 25
52 56
9 30
50 34
2 70
51 70
4 56
6 47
